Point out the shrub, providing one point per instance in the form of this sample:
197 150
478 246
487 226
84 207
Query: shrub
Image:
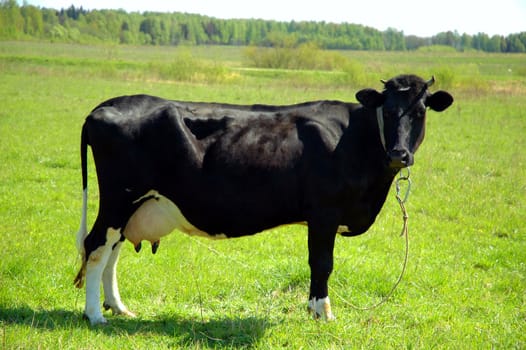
306 56
185 67
354 73
445 76
436 48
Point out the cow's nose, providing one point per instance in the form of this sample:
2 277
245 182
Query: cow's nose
400 158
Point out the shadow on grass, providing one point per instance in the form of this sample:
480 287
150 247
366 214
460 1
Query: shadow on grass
229 332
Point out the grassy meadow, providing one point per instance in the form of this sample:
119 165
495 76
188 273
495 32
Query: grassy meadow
465 284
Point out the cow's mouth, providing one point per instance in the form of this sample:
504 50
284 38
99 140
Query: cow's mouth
398 164
399 159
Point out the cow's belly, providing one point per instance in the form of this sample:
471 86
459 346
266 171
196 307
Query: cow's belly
157 217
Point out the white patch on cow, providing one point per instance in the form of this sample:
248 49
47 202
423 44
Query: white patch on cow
83 230
112 298
157 217
95 266
321 308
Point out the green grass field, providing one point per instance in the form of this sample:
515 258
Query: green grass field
465 285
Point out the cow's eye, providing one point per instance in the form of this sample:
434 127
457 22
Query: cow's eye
390 113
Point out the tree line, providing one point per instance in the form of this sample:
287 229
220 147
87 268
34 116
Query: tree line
78 25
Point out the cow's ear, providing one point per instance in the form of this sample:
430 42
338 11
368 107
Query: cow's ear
370 98
439 101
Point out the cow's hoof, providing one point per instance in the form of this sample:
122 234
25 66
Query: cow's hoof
138 247
119 310
96 320
126 313
321 309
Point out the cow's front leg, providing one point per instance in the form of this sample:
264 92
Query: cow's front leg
97 259
112 298
321 245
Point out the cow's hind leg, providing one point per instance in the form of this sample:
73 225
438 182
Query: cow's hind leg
99 247
321 245
112 298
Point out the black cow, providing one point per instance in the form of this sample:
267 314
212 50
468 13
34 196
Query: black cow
220 170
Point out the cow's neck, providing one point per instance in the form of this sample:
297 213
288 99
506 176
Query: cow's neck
365 171
363 152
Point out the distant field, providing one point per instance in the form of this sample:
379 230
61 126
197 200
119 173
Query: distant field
466 278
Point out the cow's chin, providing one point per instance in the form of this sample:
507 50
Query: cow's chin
398 164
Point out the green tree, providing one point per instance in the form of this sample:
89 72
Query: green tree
516 43
194 31
33 21
480 41
393 40
466 41
155 30
117 26
11 20
494 44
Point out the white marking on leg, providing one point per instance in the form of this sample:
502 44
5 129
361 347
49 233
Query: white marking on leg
321 308
96 263
112 298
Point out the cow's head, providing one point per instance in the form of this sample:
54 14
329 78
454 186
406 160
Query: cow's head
400 111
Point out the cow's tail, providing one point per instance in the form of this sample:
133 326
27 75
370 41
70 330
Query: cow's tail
83 230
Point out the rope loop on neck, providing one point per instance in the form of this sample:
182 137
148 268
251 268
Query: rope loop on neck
380 120
404 233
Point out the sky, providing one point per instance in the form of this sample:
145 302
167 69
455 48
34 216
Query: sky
414 17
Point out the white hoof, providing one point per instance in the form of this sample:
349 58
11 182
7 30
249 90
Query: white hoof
119 310
321 308
95 319
127 313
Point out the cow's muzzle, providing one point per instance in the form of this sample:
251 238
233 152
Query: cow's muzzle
399 159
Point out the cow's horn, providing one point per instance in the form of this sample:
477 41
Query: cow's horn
383 81
431 81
